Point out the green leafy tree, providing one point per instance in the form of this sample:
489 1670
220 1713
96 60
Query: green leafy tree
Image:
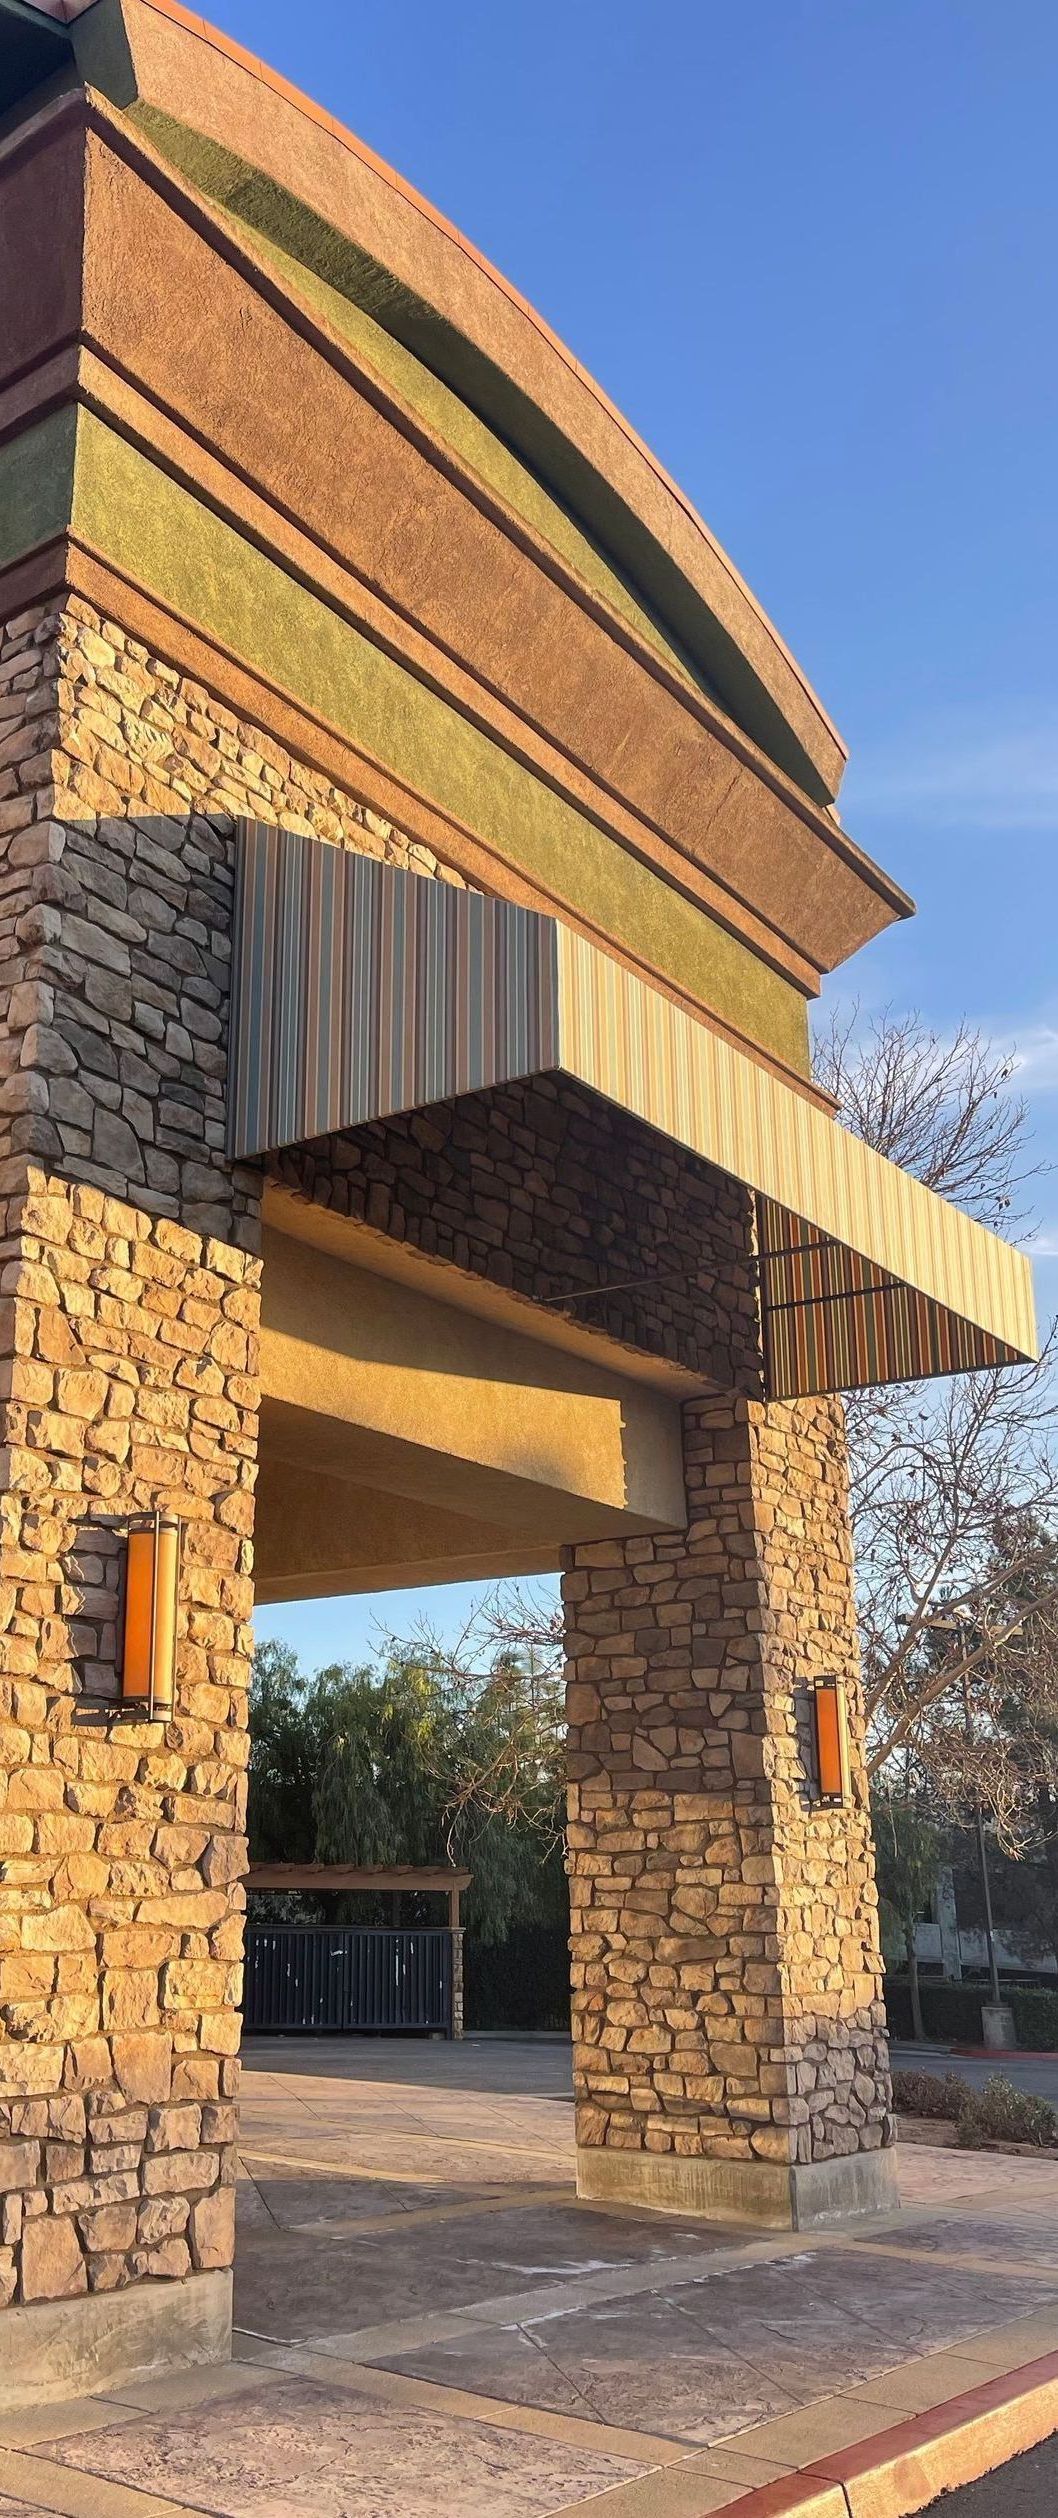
910 1849
283 1759
419 1762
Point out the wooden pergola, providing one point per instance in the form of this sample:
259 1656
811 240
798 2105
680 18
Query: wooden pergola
314 1879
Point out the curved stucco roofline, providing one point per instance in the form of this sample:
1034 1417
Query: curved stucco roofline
426 282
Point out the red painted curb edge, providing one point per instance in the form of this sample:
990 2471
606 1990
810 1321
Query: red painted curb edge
900 2470
1005 2054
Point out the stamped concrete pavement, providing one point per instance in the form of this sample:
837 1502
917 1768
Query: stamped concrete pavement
431 2326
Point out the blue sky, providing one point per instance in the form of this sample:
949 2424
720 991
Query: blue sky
809 247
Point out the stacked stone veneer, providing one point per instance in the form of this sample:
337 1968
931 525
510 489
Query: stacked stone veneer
129 1310
545 1190
129 1381
727 1996
724 1930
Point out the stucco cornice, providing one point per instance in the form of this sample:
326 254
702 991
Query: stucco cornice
765 877
245 127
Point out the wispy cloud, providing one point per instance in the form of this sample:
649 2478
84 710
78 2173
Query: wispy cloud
1044 1244
1034 1058
953 773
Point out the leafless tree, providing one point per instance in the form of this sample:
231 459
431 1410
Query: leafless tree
953 1483
943 1107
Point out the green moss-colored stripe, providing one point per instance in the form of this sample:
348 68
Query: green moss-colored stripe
36 485
203 568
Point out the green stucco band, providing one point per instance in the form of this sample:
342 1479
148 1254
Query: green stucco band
36 485
624 547
164 538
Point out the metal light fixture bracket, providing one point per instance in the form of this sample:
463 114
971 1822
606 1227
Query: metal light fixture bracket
146 1621
830 1726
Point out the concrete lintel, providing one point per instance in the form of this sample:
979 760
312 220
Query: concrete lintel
761 2191
76 2347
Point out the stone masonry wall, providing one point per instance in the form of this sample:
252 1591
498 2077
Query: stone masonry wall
726 1969
128 1381
129 1299
547 1190
129 1304
120 784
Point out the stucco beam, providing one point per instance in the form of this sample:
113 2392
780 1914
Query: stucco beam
318 1536
444 1404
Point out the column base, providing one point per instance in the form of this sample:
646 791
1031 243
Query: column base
78 2347
757 2191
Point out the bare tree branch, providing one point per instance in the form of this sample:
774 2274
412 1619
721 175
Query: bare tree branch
953 1484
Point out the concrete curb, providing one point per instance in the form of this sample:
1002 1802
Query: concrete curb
904 2468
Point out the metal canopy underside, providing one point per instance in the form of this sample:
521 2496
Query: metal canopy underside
362 991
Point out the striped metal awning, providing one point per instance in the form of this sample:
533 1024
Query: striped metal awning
362 991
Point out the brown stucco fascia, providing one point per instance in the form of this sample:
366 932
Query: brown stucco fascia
66 565
93 389
749 825
101 390
470 323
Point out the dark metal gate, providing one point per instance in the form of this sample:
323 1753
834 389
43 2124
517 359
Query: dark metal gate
315 1980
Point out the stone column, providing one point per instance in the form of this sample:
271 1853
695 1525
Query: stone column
129 1311
729 2036
129 1306
129 1383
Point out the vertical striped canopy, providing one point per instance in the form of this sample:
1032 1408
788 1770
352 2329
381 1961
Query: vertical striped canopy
362 991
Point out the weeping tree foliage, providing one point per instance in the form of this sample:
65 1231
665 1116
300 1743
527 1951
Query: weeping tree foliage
282 1770
909 1849
410 1763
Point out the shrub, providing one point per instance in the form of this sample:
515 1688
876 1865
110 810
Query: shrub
1001 2113
929 2094
1035 2011
952 2013
996 2113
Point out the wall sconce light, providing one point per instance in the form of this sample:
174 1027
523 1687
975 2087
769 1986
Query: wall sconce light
830 1711
151 1591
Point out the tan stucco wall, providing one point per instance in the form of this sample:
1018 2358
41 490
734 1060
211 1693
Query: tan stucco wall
454 1409
318 1536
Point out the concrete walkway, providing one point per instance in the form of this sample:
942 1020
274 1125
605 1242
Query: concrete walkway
430 2326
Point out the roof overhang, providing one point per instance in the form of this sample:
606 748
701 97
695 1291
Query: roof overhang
34 47
362 991
64 10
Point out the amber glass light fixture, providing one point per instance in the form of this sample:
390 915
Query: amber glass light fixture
830 1708
152 1584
